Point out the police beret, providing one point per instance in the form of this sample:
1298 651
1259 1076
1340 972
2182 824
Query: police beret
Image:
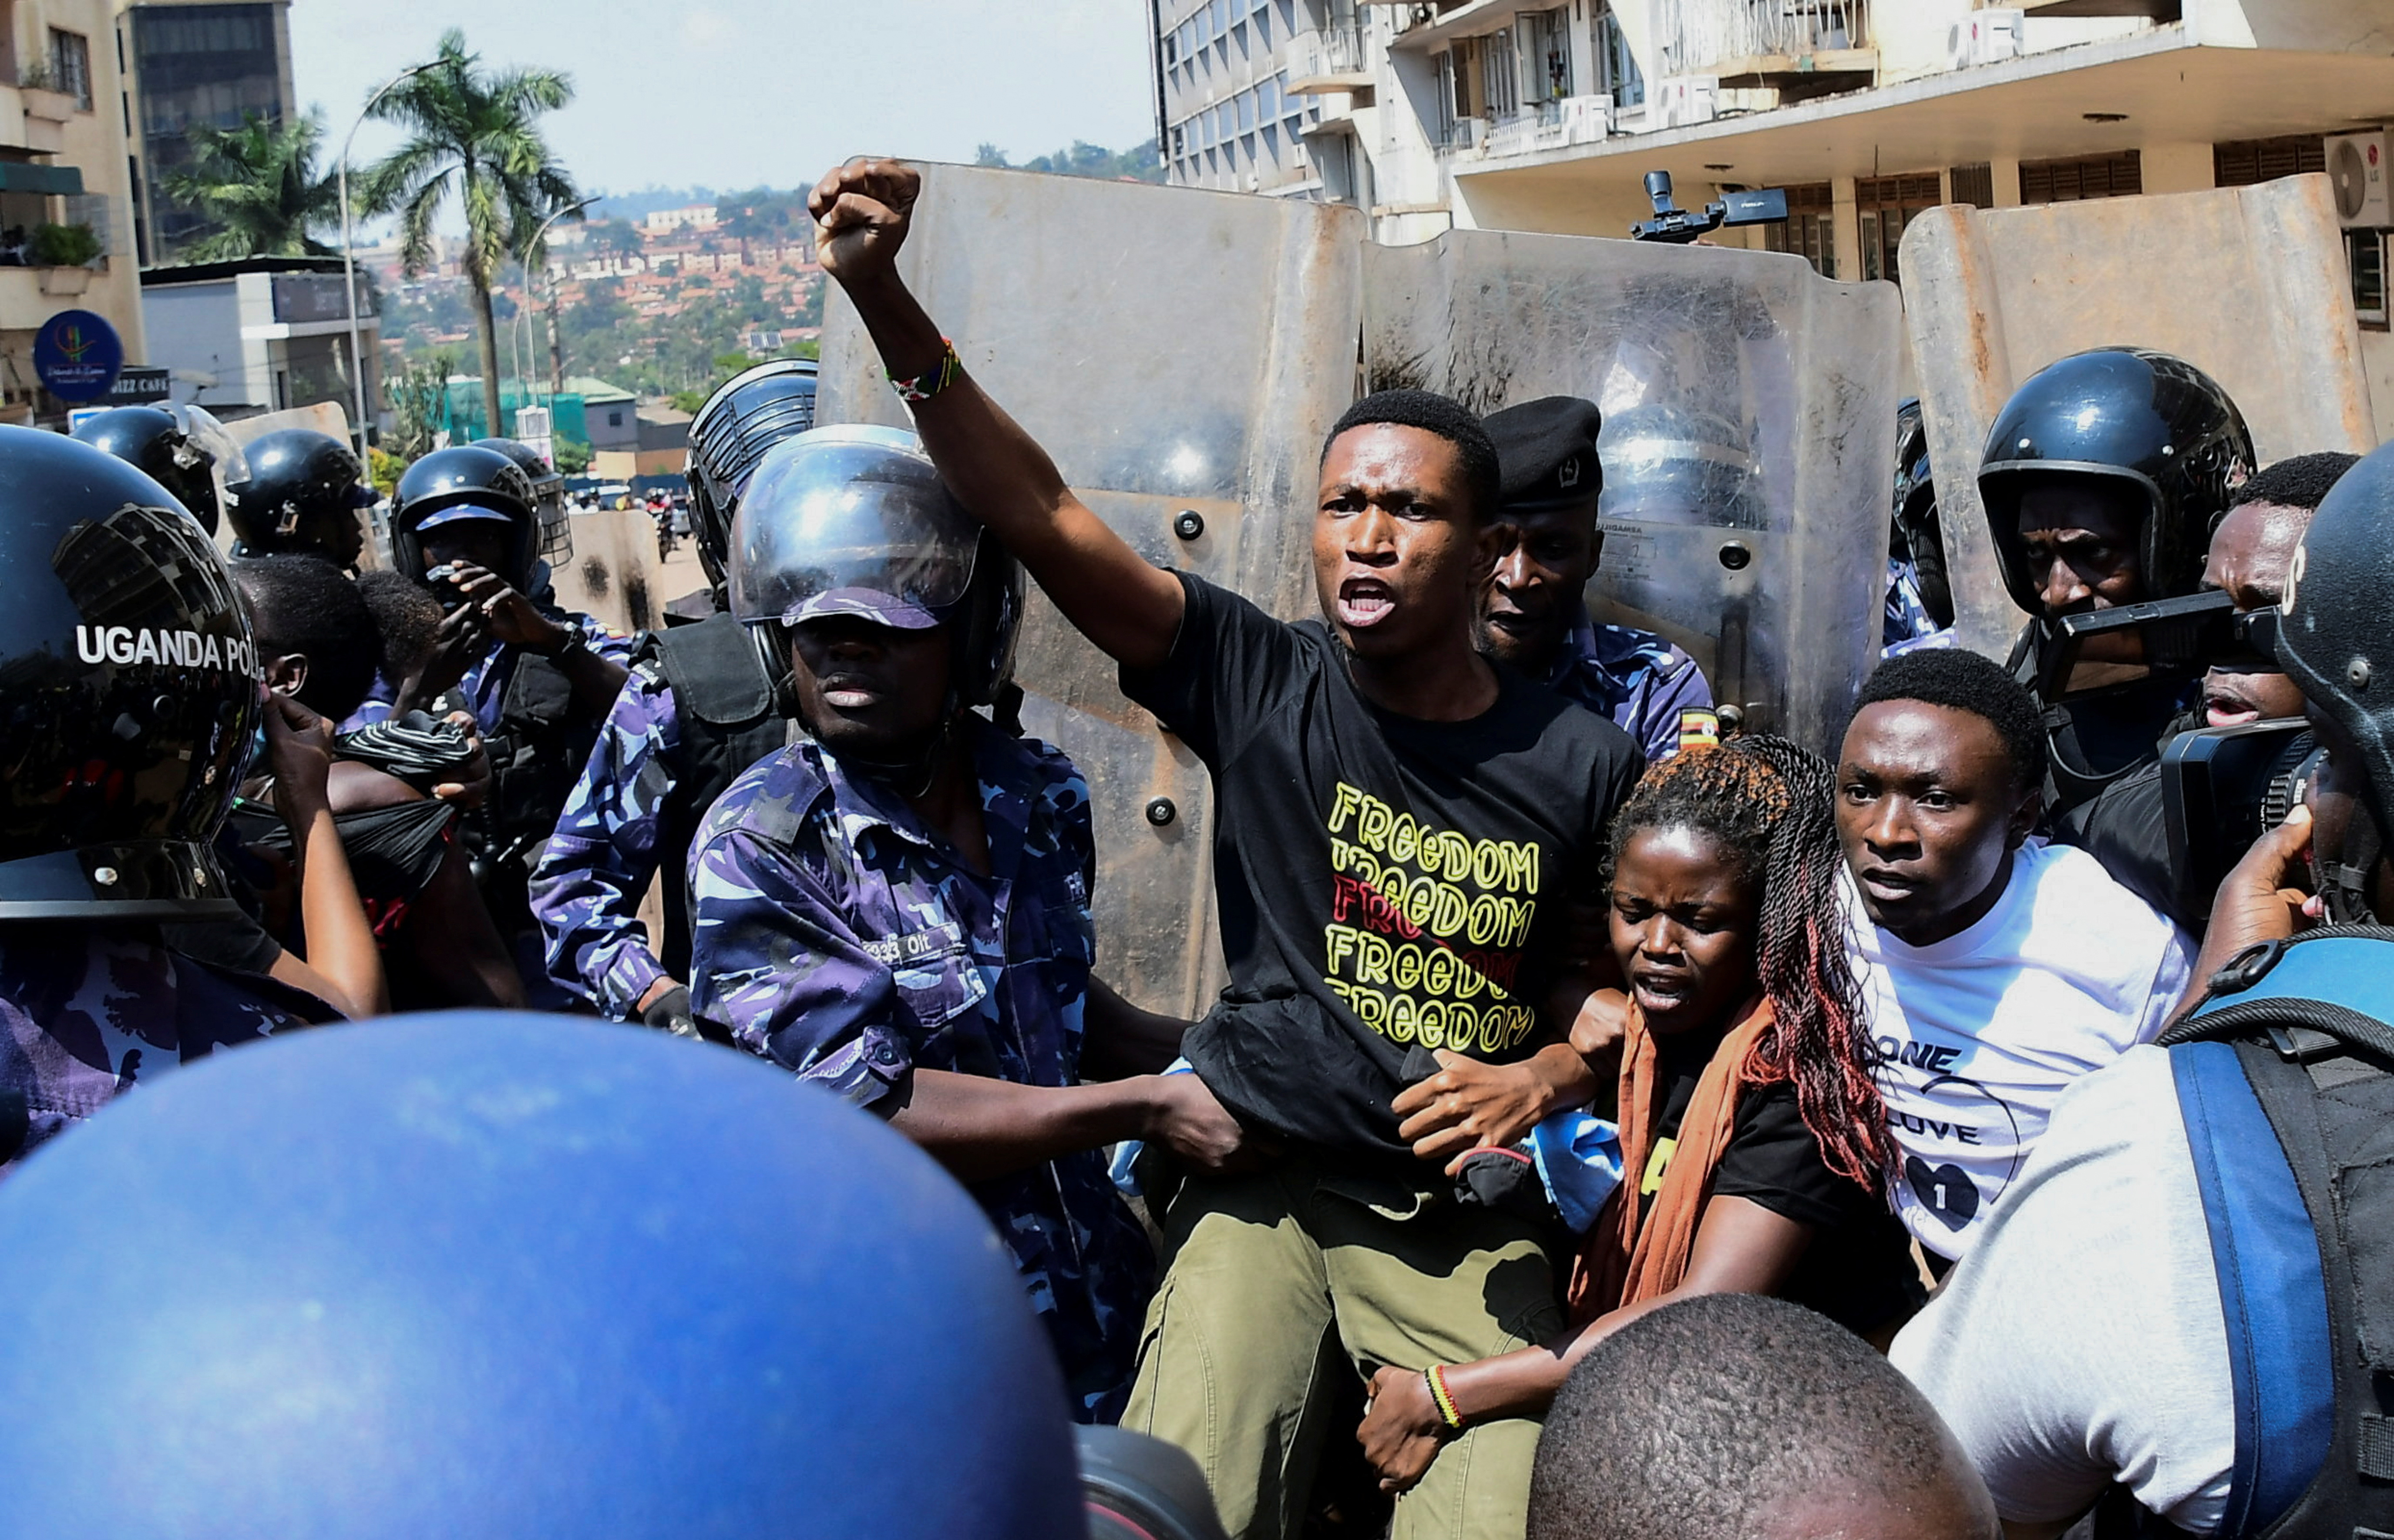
1546 450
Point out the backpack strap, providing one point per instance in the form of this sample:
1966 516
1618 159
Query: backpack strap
2338 981
2272 1294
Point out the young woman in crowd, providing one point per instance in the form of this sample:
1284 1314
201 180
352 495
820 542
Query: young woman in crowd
1752 1134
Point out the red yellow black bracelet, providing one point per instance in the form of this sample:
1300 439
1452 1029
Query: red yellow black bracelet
1436 1375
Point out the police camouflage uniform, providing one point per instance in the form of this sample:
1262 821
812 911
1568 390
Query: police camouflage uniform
835 936
1645 686
637 806
87 1011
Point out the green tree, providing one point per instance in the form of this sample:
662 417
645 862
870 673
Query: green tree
474 135
259 185
418 394
572 456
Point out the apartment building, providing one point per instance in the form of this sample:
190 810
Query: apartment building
1525 114
66 216
190 64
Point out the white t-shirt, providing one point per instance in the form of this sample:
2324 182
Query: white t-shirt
2082 1340
1978 1034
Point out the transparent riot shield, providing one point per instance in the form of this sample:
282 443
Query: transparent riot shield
1749 422
2248 284
1181 355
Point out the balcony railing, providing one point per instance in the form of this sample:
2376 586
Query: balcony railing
1548 126
1326 54
1700 36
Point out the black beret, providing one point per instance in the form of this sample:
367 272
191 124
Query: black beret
1547 449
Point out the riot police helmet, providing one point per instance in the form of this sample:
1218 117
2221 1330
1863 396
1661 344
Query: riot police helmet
854 520
2153 425
547 492
430 1277
2334 638
183 449
1915 534
304 493
466 482
748 414
129 685
1666 463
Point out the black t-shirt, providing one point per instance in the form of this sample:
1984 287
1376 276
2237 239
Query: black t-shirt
1385 883
1858 1271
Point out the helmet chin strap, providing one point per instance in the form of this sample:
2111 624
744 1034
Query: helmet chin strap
912 776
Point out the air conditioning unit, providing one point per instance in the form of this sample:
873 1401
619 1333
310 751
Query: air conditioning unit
1982 37
2356 166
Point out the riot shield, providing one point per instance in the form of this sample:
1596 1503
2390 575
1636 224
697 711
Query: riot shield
1749 423
1180 354
2248 284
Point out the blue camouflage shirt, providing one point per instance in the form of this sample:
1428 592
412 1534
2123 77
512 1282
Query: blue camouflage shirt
86 1011
836 936
484 685
1648 688
586 892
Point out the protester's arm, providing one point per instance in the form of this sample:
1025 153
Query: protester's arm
586 890
344 968
1741 1248
1469 1105
1119 1039
2258 901
1129 608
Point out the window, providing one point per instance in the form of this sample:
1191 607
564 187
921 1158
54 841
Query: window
1246 100
1617 72
71 65
1267 99
1886 204
1811 230
2242 162
1499 75
1548 35
2118 175
1974 185
2366 251
1448 94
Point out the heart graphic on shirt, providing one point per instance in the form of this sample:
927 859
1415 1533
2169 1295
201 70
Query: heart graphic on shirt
1944 1191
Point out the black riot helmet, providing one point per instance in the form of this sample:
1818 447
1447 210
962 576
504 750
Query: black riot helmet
748 414
853 520
1915 535
2150 420
548 496
178 447
303 495
2334 638
129 688
466 482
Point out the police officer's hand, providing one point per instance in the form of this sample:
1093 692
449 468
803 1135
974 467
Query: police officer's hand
473 778
2260 900
299 749
666 1008
861 213
1185 1117
508 615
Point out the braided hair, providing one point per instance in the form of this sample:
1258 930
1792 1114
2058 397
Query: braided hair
1769 806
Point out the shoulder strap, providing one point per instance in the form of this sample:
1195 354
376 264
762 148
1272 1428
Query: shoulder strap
2272 1295
713 669
2338 981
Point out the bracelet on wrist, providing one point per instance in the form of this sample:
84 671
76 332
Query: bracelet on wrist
1448 1413
930 383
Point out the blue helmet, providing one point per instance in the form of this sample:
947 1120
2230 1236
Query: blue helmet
486 1275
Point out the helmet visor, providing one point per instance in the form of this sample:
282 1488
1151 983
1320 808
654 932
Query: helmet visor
203 435
849 521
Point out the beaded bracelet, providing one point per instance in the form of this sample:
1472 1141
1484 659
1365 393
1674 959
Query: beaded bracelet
1436 1375
937 378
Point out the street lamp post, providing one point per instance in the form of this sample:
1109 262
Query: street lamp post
350 255
530 323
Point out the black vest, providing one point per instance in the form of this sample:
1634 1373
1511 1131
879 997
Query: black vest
724 706
2309 1025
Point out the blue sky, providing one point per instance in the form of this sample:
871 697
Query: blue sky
736 92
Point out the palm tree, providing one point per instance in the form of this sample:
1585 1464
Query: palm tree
259 185
474 134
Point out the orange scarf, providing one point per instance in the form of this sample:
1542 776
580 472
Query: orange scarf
1620 1262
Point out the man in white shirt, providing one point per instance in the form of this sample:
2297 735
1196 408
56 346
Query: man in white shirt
2000 968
